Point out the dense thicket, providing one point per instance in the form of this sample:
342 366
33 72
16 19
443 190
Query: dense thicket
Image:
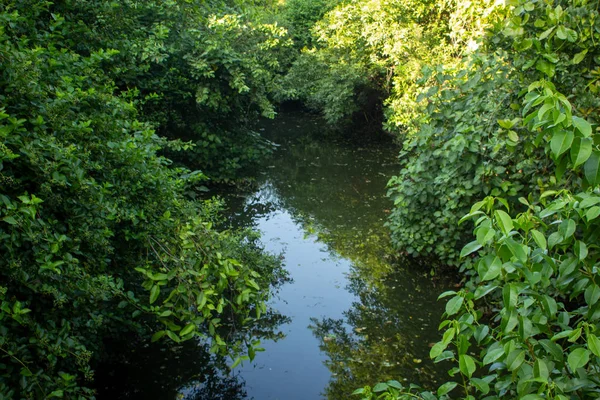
199 71
96 234
499 126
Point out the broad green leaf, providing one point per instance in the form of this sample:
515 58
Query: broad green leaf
589 201
238 360
504 221
470 248
540 369
158 335
579 57
437 349
380 387
154 292
593 344
467 365
578 358
561 142
582 126
10 220
515 359
591 169
592 213
481 333
580 151
581 250
481 385
539 238
592 294
446 388
550 305
567 228
493 268
189 328
446 294
506 123
173 336
493 353
510 296
395 384
454 305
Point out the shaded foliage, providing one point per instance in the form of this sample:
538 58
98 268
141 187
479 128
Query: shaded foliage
96 235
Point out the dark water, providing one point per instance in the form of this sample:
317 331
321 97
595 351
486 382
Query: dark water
352 316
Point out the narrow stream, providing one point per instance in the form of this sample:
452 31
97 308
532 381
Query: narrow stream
350 316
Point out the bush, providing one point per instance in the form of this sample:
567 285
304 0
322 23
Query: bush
96 235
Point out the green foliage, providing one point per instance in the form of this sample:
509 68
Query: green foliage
459 154
301 15
370 53
525 325
199 71
96 236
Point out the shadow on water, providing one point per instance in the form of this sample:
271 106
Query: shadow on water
355 315
383 316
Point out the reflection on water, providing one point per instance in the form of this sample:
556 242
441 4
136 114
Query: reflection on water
353 315
357 316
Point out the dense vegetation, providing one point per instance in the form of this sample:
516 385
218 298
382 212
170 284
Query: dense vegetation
113 116
99 233
495 106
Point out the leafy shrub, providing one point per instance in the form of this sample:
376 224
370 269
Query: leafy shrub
199 71
526 323
96 235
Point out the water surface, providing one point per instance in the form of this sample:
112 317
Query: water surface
352 315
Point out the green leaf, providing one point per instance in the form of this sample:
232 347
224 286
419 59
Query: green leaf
493 267
189 328
581 250
517 249
581 151
454 305
467 365
510 296
592 294
539 238
437 349
154 292
593 344
506 123
504 221
10 220
567 228
591 169
380 387
173 336
238 360
582 126
481 385
157 336
579 56
552 349
540 369
493 353
446 388
470 248
578 358
395 384
481 333
592 213
515 359
561 142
